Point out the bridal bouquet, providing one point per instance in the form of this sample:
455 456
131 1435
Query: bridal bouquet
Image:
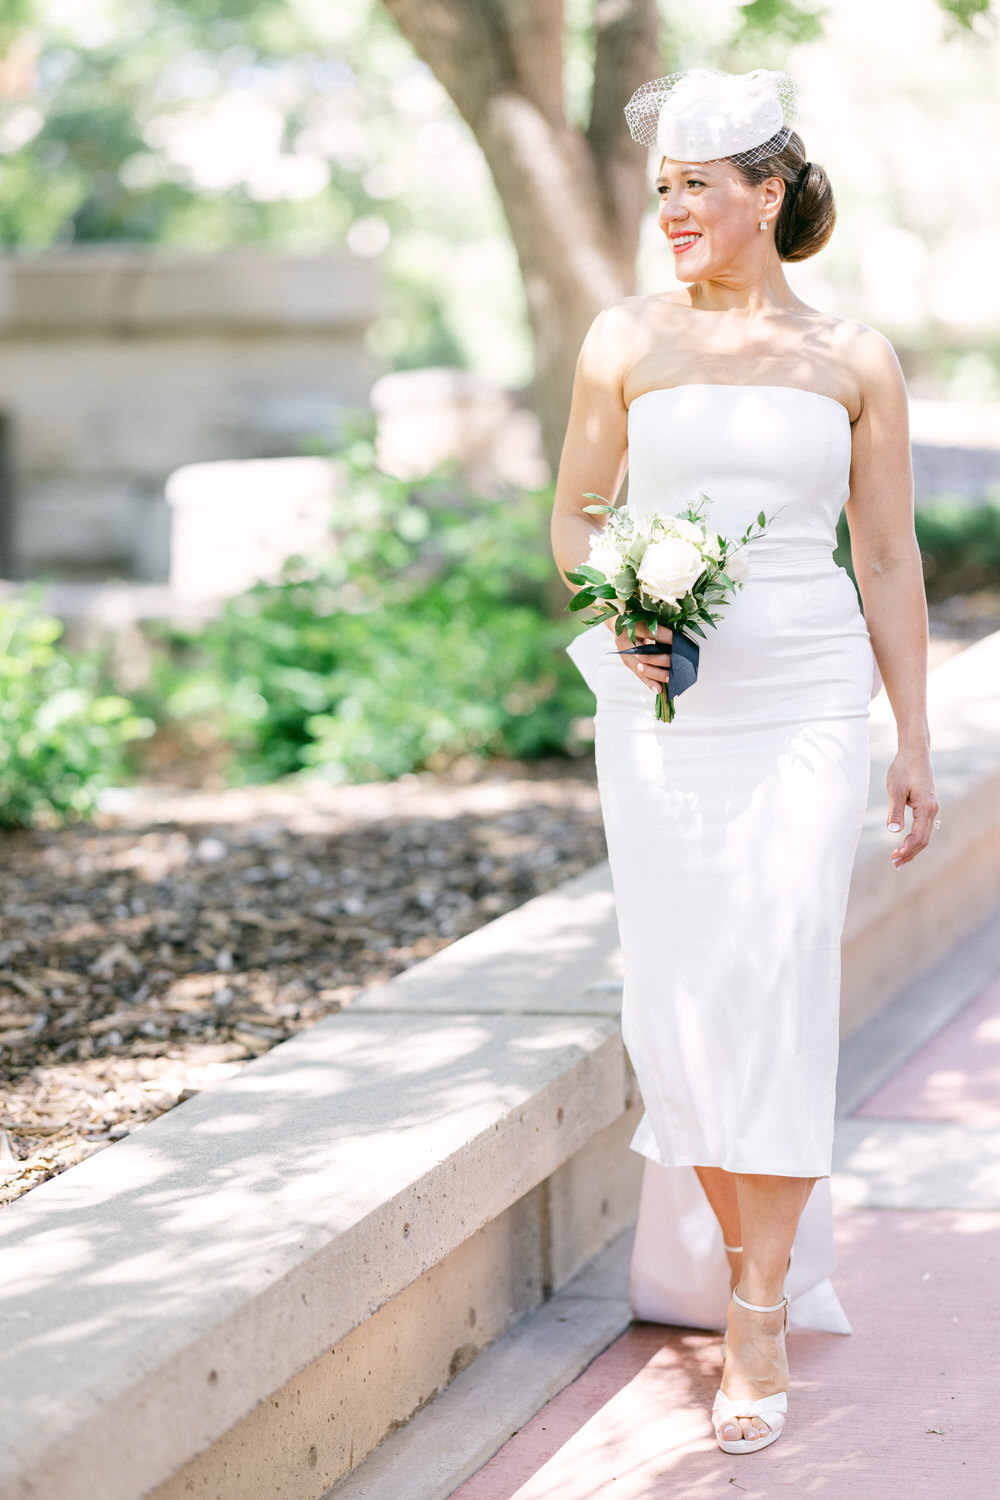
654 569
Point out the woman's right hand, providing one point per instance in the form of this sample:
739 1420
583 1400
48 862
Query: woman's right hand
653 670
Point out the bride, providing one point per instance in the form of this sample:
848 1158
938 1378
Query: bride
732 830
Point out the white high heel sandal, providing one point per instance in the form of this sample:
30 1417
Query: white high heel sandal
770 1409
738 1250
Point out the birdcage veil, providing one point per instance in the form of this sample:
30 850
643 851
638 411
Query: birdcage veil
703 115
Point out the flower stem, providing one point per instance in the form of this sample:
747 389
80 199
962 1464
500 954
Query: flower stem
664 706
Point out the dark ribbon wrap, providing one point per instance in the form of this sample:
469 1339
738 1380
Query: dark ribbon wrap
684 654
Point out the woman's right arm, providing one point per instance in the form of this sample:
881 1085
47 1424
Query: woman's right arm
595 452
595 457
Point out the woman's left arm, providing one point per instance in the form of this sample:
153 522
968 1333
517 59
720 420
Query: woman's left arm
887 566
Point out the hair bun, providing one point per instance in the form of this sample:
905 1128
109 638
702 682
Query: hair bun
808 214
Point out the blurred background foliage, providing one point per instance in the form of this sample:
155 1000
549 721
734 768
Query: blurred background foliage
202 125
207 124
422 640
424 637
63 731
210 124
959 547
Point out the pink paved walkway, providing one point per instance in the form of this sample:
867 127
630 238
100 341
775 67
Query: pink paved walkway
956 1076
905 1407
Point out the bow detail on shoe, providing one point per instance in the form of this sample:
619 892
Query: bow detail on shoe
770 1409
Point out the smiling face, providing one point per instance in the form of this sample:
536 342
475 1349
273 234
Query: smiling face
711 217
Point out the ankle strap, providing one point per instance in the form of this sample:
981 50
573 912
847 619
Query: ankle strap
755 1307
733 1249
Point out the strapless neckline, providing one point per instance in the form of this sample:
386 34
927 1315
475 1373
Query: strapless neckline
722 385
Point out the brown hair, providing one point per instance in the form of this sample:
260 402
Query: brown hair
808 212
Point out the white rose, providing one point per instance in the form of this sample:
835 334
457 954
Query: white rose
669 568
605 555
687 530
737 566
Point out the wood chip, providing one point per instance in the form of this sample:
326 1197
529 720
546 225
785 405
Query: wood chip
269 924
60 977
117 956
26 986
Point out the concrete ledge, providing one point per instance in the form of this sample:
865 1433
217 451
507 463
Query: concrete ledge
320 1425
557 954
506 1386
160 1292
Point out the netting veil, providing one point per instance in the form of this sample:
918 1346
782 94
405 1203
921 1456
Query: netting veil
702 115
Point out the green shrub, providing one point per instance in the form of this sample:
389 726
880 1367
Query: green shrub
424 637
61 737
959 545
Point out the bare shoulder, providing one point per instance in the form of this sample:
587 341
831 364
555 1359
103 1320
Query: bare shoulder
621 323
860 360
870 357
619 336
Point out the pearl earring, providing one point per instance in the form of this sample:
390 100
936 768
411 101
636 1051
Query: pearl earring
763 223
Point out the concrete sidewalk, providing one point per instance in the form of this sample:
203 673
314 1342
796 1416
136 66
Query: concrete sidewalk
906 1405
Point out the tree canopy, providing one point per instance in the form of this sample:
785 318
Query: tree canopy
212 123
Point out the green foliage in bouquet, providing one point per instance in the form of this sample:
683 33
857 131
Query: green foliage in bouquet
422 637
625 596
62 737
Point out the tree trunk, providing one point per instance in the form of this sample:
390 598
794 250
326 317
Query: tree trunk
573 199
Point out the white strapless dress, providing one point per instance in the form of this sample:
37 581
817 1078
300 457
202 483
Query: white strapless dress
731 834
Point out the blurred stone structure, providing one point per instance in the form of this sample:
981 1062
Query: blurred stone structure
236 522
118 366
434 417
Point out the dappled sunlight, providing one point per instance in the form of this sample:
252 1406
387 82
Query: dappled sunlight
258 912
902 1401
953 1077
76 1333
54 1253
227 1125
945 1096
557 958
353 1121
555 1042
892 1164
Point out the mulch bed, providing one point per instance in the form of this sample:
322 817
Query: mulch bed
153 952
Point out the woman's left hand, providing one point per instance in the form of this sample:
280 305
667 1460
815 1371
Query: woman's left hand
910 783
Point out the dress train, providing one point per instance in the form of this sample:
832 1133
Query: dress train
680 1274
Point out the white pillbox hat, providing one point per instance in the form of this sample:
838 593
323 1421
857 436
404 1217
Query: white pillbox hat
701 115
